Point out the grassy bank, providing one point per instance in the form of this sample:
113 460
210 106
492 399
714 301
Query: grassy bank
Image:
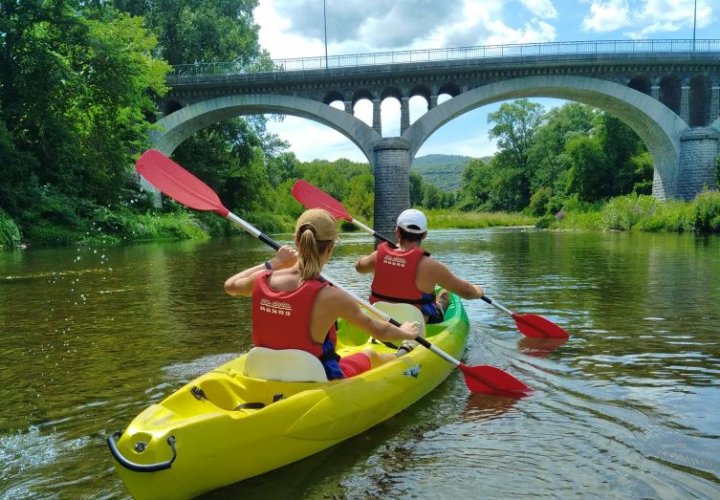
641 213
456 219
102 226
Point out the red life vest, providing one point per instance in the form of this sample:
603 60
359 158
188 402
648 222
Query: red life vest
281 319
394 279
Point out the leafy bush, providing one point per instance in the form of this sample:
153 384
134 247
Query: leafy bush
175 226
624 212
706 212
49 234
9 232
272 222
672 215
545 222
539 201
110 221
584 220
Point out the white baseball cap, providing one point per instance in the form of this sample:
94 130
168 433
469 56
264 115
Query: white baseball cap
412 221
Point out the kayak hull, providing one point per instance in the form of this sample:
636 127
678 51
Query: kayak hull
224 427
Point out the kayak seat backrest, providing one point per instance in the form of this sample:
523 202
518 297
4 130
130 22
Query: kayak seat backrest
351 335
287 365
403 312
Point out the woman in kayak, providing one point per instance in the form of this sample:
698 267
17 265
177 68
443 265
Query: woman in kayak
408 274
294 308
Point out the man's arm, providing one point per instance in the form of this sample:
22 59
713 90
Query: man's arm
366 264
444 277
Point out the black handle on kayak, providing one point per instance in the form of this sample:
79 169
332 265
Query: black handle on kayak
139 467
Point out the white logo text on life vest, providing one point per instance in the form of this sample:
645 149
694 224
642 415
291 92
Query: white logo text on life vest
275 307
394 261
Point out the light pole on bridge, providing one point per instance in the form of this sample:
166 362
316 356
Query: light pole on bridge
325 27
694 24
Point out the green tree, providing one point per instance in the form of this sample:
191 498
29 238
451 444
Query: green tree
62 99
361 196
589 175
548 143
192 31
475 185
282 167
620 145
416 189
230 158
514 127
643 169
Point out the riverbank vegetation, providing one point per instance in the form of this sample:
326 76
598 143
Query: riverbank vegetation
81 84
641 213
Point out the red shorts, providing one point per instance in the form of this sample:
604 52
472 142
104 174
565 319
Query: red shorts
354 364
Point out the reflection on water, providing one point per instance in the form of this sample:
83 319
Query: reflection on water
539 347
628 407
479 407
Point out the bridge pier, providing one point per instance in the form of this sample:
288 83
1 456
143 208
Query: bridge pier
697 168
404 114
376 122
392 182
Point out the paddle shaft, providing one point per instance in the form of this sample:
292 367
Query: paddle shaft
498 306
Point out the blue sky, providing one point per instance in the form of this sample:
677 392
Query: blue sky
295 28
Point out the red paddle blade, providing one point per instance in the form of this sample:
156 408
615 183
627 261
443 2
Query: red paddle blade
311 197
488 379
177 183
538 327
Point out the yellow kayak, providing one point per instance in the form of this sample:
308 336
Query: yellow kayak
241 419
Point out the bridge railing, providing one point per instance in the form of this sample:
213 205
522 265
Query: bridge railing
494 52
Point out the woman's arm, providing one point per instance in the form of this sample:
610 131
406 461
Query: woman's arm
242 282
348 308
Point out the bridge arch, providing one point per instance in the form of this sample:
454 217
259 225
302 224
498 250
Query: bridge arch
659 127
173 129
333 96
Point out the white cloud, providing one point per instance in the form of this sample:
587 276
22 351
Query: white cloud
609 15
541 8
275 35
295 28
311 140
668 16
640 19
534 32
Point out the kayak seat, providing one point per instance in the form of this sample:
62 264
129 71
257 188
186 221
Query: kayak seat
350 335
401 312
286 365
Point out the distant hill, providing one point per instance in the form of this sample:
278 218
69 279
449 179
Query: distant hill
444 171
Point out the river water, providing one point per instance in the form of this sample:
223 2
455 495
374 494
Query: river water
629 407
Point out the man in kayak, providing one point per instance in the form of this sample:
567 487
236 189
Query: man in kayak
408 274
294 308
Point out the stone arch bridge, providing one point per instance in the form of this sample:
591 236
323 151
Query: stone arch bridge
667 91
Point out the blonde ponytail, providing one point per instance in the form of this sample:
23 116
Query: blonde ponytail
315 233
309 252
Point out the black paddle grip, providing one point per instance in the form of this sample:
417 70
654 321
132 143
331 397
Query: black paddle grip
269 241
